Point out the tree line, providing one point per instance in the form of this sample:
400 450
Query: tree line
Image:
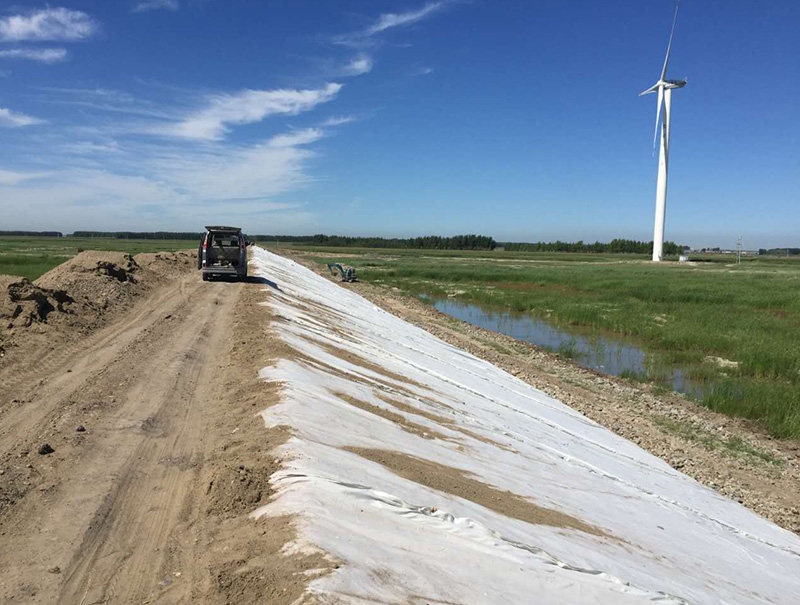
615 246
428 242
33 233
779 251
141 234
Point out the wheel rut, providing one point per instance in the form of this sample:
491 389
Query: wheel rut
150 501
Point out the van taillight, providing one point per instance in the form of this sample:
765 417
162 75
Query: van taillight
205 244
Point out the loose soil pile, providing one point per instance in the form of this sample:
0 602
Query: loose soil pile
24 303
166 264
76 298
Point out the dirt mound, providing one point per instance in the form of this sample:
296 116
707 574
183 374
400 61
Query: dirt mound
115 265
235 491
167 264
76 298
95 282
22 303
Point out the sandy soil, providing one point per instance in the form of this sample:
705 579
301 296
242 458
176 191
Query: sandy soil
731 456
130 449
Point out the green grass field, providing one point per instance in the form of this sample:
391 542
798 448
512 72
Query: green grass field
33 256
679 314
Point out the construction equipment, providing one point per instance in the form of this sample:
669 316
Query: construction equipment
347 272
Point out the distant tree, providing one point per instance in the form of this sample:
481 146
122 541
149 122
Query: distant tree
33 233
428 242
615 246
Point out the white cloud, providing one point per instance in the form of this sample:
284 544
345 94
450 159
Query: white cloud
298 137
47 24
362 64
339 120
8 177
247 107
423 71
91 147
112 101
166 185
156 182
10 119
258 171
389 20
150 5
167 190
42 55
386 21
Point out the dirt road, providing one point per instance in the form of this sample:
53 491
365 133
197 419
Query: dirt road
158 458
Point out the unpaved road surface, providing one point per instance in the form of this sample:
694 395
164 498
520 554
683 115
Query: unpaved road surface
158 457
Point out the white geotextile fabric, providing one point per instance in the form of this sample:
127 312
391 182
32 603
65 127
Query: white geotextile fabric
669 539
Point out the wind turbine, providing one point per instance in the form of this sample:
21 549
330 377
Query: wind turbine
664 89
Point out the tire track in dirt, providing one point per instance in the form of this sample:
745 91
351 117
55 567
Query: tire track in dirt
146 498
136 384
66 368
151 502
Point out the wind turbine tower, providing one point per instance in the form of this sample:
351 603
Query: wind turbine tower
664 89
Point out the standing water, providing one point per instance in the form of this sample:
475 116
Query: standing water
592 351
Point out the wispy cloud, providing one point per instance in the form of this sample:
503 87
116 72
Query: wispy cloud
298 137
142 180
112 101
47 24
247 107
151 5
9 177
174 185
362 64
227 172
92 147
389 21
423 71
339 120
11 119
42 55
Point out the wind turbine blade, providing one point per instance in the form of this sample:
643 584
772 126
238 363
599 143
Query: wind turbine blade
653 88
658 114
669 46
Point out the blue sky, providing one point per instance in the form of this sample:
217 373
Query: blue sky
519 120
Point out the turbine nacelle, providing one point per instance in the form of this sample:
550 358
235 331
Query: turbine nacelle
675 83
664 84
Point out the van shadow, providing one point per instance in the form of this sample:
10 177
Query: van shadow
262 281
250 279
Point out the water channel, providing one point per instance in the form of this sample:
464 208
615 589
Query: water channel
594 351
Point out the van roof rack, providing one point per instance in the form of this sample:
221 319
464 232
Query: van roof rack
222 228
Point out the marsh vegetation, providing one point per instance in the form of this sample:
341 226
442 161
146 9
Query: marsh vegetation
732 330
